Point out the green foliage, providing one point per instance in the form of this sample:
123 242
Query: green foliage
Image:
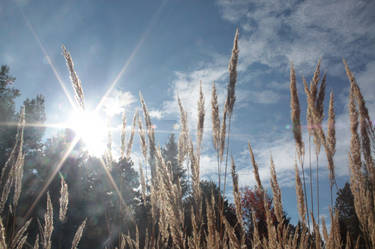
34 112
7 113
348 219
91 194
107 217
170 154
36 116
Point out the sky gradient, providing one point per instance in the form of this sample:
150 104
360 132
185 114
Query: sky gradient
166 48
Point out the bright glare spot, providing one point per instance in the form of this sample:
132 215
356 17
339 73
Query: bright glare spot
92 130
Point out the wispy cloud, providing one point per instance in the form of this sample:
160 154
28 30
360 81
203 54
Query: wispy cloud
117 101
264 97
283 148
367 84
186 87
276 32
156 114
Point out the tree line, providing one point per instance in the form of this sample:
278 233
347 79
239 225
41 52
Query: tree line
91 193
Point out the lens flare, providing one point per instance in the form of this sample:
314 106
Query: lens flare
91 129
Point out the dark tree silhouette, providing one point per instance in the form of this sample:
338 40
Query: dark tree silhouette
170 153
8 114
253 201
347 216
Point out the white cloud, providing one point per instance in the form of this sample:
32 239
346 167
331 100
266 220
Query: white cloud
157 114
208 166
366 82
186 86
276 32
116 102
283 153
283 148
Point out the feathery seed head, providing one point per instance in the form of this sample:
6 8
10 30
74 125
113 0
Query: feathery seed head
123 133
300 195
295 112
331 134
130 142
232 68
215 118
76 82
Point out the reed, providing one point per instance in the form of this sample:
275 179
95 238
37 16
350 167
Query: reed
230 100
132 133
78 235
169 214
123 134
64 199
76 82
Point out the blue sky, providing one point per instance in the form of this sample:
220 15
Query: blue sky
175 44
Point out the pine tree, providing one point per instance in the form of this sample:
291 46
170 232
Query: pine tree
35 114
347 216
34 111
8 115
170 153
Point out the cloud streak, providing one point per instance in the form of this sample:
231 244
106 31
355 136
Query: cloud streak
276 32
117 101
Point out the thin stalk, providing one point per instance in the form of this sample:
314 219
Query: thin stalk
311 180
226 167
330 189
317 185
221 200
146 175
226 156
188 175
304 189
218 170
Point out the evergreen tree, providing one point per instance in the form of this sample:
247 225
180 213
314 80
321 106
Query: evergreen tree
347 216
32 145
170 153
36 174
34 114
7 113
107 216
209 189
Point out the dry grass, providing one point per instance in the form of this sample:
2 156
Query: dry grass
132 133
296 113
123 134
167 229
64 199
12 172
78 235
76 82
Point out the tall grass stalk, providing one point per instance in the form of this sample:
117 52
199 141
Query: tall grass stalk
231 98
214 230
297 131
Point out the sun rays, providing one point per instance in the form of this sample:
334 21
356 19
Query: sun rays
87 126
52 176
45 53
91 129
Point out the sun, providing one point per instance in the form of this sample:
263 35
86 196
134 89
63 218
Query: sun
92 130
